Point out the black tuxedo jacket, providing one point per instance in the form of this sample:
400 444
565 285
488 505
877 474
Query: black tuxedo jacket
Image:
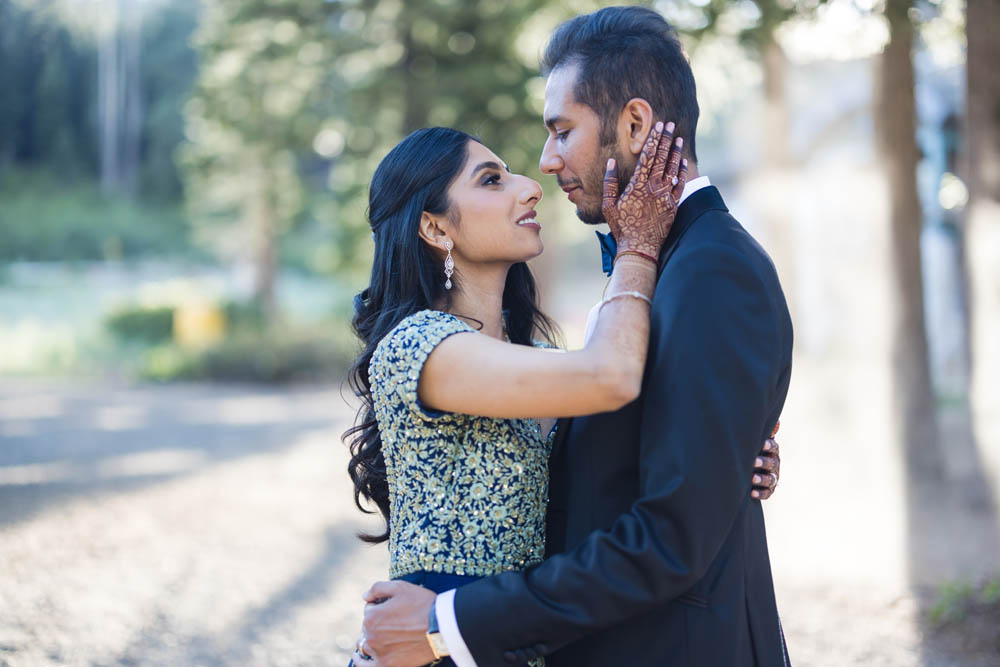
657 554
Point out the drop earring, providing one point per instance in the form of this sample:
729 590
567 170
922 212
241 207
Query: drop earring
449 264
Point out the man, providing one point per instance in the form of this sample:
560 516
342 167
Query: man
657 553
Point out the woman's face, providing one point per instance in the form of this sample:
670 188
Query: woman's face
495 212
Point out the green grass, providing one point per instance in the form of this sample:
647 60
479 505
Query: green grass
956 599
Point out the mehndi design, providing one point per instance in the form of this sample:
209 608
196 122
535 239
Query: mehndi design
641 217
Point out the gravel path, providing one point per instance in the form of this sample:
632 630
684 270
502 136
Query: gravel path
213 525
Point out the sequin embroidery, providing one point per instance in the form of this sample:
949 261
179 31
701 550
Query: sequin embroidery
467 494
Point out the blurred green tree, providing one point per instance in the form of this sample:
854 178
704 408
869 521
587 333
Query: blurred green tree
88 92
51 136
45 104
757 24
254 109
468 65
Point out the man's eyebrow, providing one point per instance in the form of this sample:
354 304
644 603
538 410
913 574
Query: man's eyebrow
490 165
551 122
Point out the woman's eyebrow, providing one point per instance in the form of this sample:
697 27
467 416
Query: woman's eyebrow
489 165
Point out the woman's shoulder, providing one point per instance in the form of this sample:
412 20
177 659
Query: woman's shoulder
425 322
422 329
399 358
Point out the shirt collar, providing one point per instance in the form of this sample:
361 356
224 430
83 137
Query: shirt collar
692 187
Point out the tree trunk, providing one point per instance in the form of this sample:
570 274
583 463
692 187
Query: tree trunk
776 123
776 173
983 212
897 133
132 78
262 221
109 100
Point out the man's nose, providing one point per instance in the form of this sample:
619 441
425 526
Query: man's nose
550 163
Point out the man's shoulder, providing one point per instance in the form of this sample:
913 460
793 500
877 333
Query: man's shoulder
718 240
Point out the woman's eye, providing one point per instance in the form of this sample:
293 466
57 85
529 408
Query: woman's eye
492 179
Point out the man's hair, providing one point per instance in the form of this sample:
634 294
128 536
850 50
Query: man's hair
622 53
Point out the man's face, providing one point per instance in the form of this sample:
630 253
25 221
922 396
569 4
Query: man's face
574 152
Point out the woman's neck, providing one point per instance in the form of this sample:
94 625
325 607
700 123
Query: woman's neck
480 298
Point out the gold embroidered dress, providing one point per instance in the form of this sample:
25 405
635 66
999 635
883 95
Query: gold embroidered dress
467 494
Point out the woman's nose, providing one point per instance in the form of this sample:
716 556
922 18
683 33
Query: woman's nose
532 192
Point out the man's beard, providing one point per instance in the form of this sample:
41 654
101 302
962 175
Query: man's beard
594 182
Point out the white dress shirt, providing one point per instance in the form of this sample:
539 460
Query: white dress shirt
444 605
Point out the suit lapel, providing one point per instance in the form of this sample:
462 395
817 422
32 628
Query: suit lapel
702 201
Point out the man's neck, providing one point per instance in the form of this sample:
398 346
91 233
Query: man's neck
692 170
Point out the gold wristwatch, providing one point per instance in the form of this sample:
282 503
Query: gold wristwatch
434 636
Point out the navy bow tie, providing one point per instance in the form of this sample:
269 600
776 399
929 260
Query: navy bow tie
609 249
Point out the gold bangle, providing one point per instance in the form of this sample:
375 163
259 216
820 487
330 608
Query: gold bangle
619 295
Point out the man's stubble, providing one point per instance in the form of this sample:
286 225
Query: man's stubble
594 181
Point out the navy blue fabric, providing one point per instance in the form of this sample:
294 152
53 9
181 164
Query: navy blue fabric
438 582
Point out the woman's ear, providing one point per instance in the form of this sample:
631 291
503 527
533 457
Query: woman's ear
634 123
431 230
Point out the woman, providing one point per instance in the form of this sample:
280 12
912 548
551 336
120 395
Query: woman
458 397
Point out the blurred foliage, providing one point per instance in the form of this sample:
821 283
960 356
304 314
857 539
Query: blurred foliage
272 355
51 207
753 21
49 83
956 600
966 616
952 602
142 324
44 218
46 105
296 103
145 338
253 112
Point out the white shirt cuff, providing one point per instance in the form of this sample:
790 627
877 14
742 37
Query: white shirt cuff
444 607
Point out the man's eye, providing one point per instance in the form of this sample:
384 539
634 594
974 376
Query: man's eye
562 135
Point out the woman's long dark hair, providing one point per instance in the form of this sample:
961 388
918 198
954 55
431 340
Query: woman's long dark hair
407 277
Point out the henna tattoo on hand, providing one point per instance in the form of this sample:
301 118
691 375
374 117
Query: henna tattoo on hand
641 217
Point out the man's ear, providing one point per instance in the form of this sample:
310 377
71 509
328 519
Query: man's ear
431 230
634 123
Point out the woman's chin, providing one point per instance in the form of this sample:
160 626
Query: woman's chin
528 253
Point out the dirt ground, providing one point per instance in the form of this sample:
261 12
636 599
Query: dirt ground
214 525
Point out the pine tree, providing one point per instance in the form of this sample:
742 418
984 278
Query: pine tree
253 109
